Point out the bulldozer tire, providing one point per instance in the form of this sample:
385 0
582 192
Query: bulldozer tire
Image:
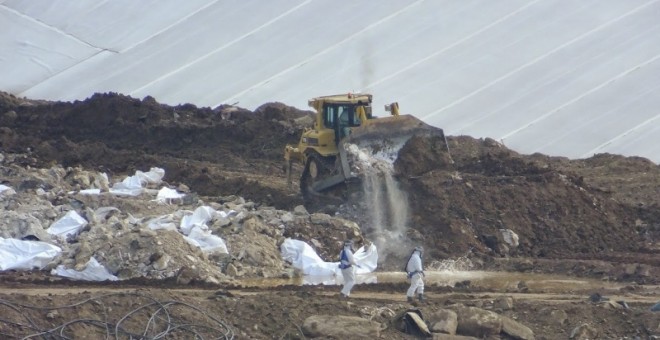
311 173
315 169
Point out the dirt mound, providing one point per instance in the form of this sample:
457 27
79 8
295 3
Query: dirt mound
218 151
490 189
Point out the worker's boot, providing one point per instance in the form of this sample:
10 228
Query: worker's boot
420 297
410 299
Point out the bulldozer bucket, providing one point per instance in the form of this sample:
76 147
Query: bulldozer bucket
384 137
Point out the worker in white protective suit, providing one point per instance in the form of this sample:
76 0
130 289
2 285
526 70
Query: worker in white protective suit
415 275
347 265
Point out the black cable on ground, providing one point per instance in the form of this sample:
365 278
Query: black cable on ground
153 320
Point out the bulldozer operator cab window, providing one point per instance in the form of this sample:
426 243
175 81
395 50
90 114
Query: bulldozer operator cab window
340 118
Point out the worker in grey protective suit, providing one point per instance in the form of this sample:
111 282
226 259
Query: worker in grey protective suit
415 274
347 265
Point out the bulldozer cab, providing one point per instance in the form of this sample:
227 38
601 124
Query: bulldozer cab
340 118
340 113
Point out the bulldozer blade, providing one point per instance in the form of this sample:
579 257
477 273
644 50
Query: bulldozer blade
384 137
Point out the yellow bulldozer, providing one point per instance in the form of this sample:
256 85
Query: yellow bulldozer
342 120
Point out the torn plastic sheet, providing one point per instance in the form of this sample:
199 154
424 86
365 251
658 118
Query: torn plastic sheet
6 191
134 185
199 218
70 224
103 212
303 257
165 222
93 271
19 254
193 227
206 241
167 195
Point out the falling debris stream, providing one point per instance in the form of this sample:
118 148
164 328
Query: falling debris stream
385 204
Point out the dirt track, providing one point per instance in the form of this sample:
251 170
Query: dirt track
278 311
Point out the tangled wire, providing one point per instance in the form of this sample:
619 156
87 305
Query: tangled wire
150 320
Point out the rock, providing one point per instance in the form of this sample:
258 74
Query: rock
612 305
315 243
340 327
596 297
656 307
190 199
352 226
100 181
162 262
146 232
231 270
437 336
443 321
644 271
504 303
253 224
629 269
478 322
300 210
558 317
186 275
320 218
515 329
287 217
18 225
510 237
9 117
522 287
583 332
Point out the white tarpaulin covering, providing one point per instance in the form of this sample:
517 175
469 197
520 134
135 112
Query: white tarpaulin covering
5 190
206 241
93 191
134 185
167 195
302 256
199 218
166 222
93 271
70 224
18 254
193 227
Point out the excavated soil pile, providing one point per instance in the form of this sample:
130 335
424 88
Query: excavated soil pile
226 150
556 207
